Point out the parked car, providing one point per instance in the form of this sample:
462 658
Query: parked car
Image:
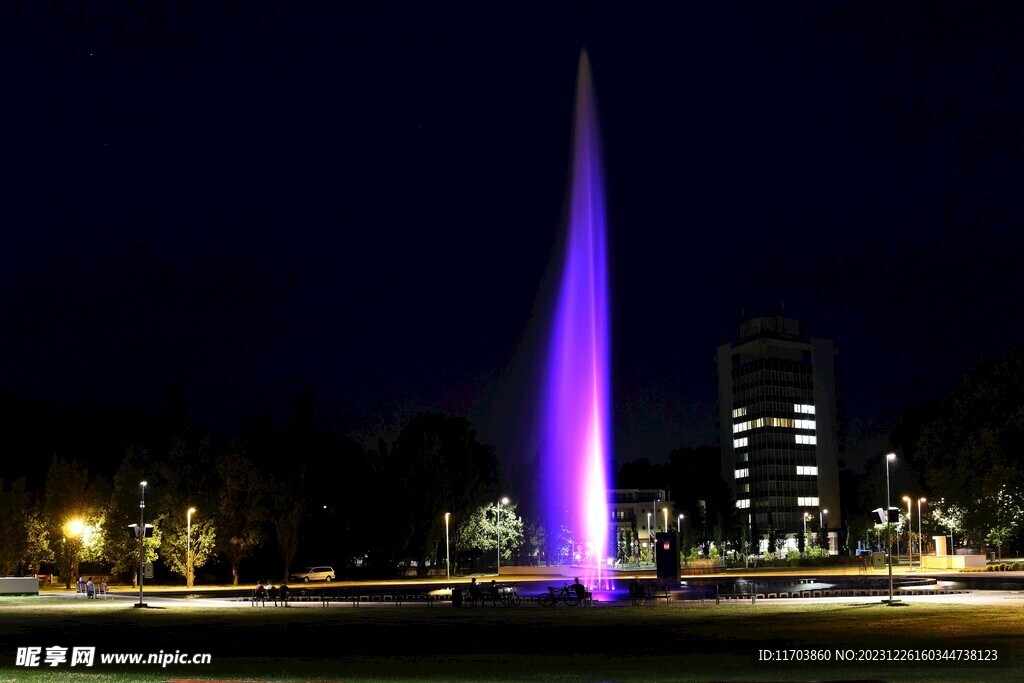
313 574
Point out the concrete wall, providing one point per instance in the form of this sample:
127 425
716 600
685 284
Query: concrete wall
19 585
952 561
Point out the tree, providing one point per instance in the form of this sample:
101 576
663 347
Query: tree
289 507
773 534
122 510
242 508
437 466
14 533
38 548
72 516
971 453
480 531
203 539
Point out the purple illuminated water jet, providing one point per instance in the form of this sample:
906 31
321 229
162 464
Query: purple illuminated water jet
576 400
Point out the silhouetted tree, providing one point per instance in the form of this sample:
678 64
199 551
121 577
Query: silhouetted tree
242 508
14 531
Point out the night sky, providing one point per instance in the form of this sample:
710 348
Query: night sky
248 198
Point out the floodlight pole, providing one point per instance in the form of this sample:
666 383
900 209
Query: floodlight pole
920 538
910 537
447 552
142 539
497 528
888 538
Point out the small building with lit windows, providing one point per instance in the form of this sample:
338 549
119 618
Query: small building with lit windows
779 426
645 510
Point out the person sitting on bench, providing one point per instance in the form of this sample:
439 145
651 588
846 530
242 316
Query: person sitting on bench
580 590
475 593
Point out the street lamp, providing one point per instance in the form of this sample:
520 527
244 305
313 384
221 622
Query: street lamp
73 530
889 457
679 524
664 512
447 552
821 525
503 501
920 538
189 578
650 544
910 537
142 539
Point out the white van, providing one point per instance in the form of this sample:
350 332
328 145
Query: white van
313 574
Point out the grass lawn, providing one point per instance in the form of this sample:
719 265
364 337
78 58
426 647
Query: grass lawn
605 643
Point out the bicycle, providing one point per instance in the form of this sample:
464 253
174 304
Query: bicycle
566 594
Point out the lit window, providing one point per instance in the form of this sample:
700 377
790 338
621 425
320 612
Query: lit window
742 473
743 503
803 408
807 502
806 439
739 412
808 471
739 443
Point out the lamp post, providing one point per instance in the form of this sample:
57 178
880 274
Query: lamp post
497 526
920 538
189 578
910 537
679 524
447 552
650 543
821 526
72 530
142 539
807 515
889 457
664 512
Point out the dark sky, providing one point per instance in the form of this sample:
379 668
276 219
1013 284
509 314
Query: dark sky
365 198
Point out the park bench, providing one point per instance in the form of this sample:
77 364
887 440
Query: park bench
655 592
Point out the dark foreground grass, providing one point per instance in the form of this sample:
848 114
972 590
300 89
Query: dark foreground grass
606 643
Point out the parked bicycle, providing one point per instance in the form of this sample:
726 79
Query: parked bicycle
565 594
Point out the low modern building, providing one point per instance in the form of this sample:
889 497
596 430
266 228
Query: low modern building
779 426
646 510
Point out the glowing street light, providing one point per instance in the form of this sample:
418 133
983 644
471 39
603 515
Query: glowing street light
910 537
920 538
650 543
679 524
72 529
189 579
142 538
497 526
664 512
447 552
889 457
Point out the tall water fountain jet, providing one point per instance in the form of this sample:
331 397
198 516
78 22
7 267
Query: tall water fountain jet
576 401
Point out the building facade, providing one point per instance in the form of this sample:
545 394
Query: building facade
779 426
644 510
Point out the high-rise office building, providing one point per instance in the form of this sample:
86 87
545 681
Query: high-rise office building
779 425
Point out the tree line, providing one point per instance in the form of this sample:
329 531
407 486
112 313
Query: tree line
267 499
